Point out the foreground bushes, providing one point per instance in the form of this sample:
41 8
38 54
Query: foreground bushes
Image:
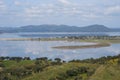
19 72
38 65
75 73
102 60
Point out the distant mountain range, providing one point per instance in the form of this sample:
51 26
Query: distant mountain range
58 28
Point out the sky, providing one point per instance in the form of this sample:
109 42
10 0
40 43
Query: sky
14 13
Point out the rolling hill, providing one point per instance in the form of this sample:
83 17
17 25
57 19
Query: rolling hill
59 28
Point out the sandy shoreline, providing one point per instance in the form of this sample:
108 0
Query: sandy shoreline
61 39
97 45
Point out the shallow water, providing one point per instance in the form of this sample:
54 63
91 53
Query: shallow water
57 34
35 49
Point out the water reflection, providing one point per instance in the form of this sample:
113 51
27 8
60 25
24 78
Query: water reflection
35 49
56 34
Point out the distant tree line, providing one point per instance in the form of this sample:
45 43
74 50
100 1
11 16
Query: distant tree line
94 37
101 60
14 58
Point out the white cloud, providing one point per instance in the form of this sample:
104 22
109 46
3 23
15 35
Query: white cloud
53 10
39 11
1 1
17 3
113 10
90 16
68 9
2 8
2 5
65 2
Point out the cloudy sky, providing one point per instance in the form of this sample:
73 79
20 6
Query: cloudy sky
69 12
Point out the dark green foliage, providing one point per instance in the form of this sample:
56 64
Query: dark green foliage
26 58
1 64
61 76
58 60
43 58
78 78
90 72
4 75
102 60
76 71
19 72
40 65
72 72
37 69
2 58
18 59
119 61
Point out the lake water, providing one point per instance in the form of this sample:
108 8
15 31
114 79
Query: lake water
57 34
35 49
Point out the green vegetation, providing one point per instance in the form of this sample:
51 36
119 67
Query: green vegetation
17 68
101 41
108 39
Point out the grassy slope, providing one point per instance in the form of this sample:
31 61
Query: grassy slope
109 71
103 72
53 71
10 64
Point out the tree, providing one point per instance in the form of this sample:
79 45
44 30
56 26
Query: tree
2 58
78 78
72 72
26 58
119 61
42 58
18 59
1 64
57 59
82 70
37 68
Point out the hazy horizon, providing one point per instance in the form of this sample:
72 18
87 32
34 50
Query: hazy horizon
57 25
16 13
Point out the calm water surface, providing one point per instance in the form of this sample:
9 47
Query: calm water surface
35 49
57 34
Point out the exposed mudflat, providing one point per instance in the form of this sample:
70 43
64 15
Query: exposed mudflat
97 45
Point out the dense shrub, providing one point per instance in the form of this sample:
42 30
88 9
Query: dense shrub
72 72
78 78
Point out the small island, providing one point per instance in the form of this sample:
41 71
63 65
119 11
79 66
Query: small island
97 45
101 41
